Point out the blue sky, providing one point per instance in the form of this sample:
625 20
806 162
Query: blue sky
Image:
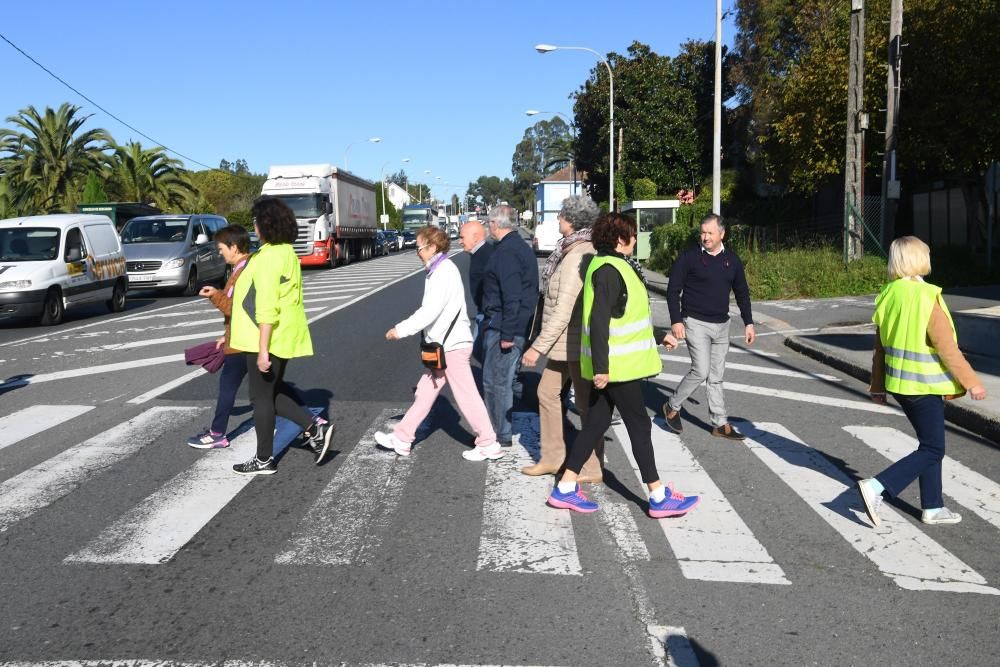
444 83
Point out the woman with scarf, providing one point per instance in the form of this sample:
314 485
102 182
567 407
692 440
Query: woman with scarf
442 318
559 338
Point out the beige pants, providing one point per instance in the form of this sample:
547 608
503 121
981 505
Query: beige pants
550 411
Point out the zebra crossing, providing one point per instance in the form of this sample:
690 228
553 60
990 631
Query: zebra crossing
348 521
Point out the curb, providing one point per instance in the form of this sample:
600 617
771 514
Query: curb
954 412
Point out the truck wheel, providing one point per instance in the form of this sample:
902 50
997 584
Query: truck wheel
331 258
116 303
191 286
53 309
346 255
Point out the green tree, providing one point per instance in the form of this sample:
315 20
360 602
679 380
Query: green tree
93 191
394 218
545 148
14 201
47 158
643 189
150 175
695 68
487 191
655 114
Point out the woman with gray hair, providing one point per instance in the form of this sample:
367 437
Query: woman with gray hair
559 338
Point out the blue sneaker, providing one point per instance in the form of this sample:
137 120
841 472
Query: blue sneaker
575 501
208 439
673 504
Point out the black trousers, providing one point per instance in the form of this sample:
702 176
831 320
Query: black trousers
270 396
627 397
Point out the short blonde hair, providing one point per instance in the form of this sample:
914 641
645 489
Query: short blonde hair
908 256
435 236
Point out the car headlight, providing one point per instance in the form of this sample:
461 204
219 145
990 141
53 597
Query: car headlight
174 263
15 284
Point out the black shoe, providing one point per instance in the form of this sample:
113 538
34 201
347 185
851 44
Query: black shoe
256 467
506 443
673 418
728 432
320 436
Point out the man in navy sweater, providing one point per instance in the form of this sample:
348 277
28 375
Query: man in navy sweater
510 294
698 298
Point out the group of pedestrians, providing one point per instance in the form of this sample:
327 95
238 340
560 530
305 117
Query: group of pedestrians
590 317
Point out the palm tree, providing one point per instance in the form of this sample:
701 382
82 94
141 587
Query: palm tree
150 175
51 156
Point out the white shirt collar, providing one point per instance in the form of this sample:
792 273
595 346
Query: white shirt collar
722 248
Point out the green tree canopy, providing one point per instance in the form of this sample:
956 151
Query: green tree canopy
150 175
546 147
487 191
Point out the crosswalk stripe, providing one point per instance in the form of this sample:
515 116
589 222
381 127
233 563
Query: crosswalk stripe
153 531
520 533
900 551
347 523
756 353
43 484
139 662
328 298
757 390
90 370
35 419
970 489
712 543
679 652
763 370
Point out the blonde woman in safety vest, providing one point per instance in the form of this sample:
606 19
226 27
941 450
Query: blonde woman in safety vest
917 360
617 350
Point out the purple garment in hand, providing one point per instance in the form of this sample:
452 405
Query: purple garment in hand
206 355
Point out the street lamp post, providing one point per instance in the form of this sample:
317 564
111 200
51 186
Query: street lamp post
406 181
545 48
373 140
572 127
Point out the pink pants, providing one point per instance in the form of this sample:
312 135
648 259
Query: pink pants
463 388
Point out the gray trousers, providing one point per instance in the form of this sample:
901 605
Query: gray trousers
707 344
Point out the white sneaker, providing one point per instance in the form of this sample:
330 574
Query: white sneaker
491 451
391 442
942 516
871 500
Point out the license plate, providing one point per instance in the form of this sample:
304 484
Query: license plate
142 279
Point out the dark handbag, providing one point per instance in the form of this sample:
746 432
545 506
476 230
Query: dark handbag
432 354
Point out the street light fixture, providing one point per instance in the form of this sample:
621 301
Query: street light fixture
373 140
545 48
406 180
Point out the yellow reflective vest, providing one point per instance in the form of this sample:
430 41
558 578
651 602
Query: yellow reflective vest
912 367
269 291
632 352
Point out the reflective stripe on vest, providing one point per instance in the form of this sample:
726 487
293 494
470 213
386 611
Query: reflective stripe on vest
632 350
912 367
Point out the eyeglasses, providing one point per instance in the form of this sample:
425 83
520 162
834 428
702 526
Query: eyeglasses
421 247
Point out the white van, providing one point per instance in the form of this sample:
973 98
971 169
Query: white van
546 235
49 263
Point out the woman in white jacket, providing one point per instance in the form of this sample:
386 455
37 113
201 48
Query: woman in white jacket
443 319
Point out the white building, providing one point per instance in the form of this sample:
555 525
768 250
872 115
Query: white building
549 195
398 196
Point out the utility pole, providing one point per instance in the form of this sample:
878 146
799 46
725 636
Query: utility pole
857 122
890 184
717 120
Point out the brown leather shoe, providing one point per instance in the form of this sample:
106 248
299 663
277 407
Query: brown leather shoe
728 432
588 478
672 418
539 469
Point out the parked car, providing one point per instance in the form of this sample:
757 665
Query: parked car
173 252
381 244
409 239
393 240
49 263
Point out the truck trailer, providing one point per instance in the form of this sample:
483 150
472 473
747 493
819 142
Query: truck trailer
334 209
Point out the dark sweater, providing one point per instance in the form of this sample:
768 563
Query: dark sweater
477 269
610 299
510 287
700 284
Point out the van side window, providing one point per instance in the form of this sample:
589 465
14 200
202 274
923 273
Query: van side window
75 248
103 241
202 228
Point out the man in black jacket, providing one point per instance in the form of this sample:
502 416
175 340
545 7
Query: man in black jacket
472 263
698 299
510 293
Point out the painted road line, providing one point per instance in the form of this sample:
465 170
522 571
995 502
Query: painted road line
353 301
158 527
328 298
325 289
347 523
967 487
31 421
520 533
140 662
712 543
763 370
828 401
113 347
166 386
24 380
179 313
756 353
621 525
897 548
679 652
43 484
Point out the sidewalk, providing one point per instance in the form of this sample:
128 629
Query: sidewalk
850 350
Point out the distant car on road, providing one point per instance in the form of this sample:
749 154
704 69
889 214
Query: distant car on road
409 239
173 251
393 240
381 244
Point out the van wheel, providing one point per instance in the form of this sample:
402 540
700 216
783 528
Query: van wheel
191 287
52 309
116 303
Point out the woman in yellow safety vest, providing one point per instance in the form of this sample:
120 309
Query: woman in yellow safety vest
269 326
917 360
617 351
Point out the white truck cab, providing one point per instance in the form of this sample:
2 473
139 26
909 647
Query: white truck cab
49 263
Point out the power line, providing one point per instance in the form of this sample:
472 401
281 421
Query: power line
63 82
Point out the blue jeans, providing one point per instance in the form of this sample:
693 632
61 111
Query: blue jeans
499 372
234 369
926 415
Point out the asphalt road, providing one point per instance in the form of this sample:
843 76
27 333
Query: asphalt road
120 543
